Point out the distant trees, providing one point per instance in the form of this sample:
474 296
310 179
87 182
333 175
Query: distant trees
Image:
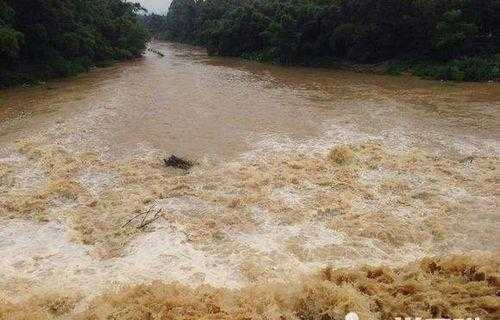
48 38
155 23
11 40
366 31
182 19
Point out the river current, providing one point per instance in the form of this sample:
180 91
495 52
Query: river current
295 169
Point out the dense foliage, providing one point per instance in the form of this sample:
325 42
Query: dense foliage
311 32
41 39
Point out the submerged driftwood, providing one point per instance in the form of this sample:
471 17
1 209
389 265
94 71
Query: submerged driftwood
143 216
176 162
158 52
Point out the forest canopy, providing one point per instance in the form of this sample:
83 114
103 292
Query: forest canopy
450 39
42 39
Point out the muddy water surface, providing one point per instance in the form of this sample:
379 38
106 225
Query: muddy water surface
297 169
195 105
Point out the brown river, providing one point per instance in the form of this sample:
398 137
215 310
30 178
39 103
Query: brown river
295 169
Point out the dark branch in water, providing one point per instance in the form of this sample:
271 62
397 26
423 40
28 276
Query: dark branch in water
158 52
177 162
145 221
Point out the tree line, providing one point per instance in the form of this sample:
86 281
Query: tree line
41 39
447 39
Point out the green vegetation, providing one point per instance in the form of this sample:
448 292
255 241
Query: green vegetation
466 69
444 39
41 39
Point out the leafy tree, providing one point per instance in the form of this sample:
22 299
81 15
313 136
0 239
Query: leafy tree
242 26
181 20
40 39
454 34
11 40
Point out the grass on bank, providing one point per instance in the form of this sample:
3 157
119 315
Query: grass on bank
474 69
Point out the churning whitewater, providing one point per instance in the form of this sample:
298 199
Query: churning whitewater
296 170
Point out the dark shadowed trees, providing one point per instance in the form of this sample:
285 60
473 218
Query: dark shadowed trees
40 39
312 32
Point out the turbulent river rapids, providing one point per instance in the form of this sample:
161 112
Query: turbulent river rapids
296 170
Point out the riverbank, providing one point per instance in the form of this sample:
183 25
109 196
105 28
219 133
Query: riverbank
40 75
474 69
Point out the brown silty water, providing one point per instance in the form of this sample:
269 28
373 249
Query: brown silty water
296 169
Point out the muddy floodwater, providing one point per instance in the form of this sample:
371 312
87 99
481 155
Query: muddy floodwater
296 169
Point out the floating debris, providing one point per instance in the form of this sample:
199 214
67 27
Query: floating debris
177 162
468 160
143 217
158 52
341 155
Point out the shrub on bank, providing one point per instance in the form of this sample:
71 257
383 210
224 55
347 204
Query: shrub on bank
466 69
